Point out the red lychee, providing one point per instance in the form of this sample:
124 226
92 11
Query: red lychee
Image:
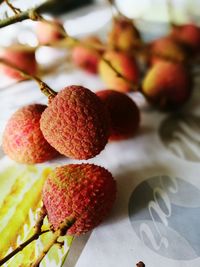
21 56
167 48
124 114
76 123
125 65
85 57
189 34
23 140
123 35
85 192
167 85
48 33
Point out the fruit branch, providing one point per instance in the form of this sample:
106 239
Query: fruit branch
170 14
28 14
22 246
43 86
14 9
135 87
35 236
60 232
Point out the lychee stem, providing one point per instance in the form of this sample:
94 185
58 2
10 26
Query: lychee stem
35 236
134 87
22 246
45 89
60 232
170 14
45 251
13 8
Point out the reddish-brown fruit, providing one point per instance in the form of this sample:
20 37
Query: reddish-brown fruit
189 34
123 35
23 140
167 85
86 57
167 48
125 65
76 123
85 192
124 114
48 33
21 56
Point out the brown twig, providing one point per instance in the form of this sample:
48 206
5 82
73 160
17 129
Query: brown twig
28 14
43 86
170 14
134 87
60 232
14 9
35 236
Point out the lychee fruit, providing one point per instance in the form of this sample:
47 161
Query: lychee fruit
76 123
125 64
124 35
85 57
48 33
84 192
124 114
21 56
23 140
189 34
167 48
167 85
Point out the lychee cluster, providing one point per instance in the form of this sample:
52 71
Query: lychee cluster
78 123
124 51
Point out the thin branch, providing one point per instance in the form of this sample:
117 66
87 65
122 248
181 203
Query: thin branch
22 246
43 86
46 249
28 14
36 235
170 13
14 9
60 232
134 87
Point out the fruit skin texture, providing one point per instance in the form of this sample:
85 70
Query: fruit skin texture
85 191
22 138
189 34
124 64
21 56
123 36
85 57
124 114
166 48
76 123
48 33
167 85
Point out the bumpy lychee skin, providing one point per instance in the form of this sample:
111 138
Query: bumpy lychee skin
21 56
189 34
123 35
167 85
85 191
85 57
167 48
124 114
124 64
76 123
23 140
48 33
